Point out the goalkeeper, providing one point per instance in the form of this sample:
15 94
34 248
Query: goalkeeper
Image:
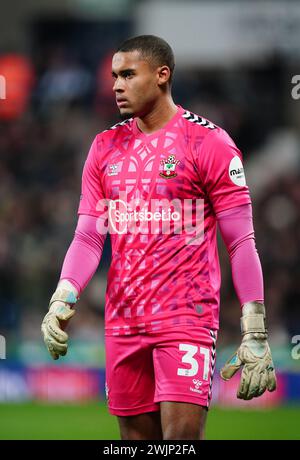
163 287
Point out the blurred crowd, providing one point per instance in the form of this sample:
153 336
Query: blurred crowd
43 144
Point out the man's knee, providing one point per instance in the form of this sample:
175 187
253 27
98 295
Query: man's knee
141 427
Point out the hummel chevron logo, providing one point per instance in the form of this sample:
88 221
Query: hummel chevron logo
198 120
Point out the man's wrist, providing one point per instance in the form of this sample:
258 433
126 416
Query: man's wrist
65 292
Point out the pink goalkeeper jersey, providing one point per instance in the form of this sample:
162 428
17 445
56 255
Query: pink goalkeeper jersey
159 195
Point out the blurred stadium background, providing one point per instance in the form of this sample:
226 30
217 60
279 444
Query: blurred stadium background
235 61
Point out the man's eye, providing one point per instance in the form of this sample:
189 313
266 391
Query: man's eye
128 75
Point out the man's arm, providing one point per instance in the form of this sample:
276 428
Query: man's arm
82 258
254 353
80 264
221 171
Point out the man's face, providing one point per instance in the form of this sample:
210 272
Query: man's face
135 84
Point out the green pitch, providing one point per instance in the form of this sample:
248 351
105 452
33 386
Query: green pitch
92 421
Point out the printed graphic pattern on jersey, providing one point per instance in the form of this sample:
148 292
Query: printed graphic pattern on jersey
165 270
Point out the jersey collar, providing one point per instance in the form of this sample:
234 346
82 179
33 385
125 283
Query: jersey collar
138 133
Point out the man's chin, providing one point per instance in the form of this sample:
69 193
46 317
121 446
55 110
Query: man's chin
126 115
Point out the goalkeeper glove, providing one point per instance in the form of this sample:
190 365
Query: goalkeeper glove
56 319
254 354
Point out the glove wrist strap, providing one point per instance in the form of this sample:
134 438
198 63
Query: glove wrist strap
253 318
65 292
63 295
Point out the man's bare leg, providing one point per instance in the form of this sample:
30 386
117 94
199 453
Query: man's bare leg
182 420
144 426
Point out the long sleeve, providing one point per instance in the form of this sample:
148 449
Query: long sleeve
84 254
236 226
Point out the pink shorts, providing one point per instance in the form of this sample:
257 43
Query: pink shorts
145 369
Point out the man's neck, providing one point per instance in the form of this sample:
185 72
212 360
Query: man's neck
159 116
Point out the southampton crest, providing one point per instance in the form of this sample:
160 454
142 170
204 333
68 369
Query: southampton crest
169 166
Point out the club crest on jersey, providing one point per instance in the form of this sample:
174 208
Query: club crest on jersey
169 167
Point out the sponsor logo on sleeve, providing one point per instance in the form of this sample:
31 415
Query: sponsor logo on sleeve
236 172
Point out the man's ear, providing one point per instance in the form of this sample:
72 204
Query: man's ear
164 75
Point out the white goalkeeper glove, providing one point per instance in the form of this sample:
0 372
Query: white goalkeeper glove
254 355
56 319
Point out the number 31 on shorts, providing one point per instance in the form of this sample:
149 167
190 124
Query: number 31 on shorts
188 358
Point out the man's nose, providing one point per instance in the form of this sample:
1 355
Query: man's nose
118 87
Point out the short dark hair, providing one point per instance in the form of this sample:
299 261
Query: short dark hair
154 48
